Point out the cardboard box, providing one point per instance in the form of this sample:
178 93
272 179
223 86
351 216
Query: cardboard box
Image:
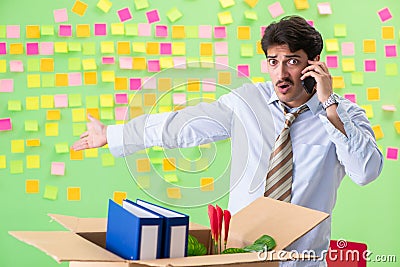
83 245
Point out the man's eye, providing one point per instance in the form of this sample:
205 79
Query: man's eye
293 61
272 62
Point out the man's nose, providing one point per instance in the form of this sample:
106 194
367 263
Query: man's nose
282 72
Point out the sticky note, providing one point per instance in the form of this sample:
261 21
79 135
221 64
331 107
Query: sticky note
161 31
3 162
108 60
46 64
165 48
369 112
15 49
174 14
61 47
117 28
171 178
51 129
348 49
332 45
251 3
392 153
32 161
351 97
387 32
324 8
246 50
121 83
31 126
205 31
3 48
106 100
301 4
179 98
100 29
17 146
174 193
61 101
104 5
373 93
123 48
61 148
397 126
179 62
32 103
227 3
88 48
13 31
89 64
178 31
369 46
225 17
75 155
153 65
74 79
33 64
16 167
391 69
276 9
46 48
221 48
348 65
107 160
390 50
14 105
243 32
60 15
378 131
47 30
3 66
207 184
90 78
178 48
384 14
16 66
340 30
78 129
33 142
108 76
152 16
32 186
169 164
46 101
250 15
79 8
370 65
357 77
91 153
73 193
243 70
331 61
120 113
74 47
50 192
338 82
118 197
78 115
390 108
32 31
144 29
131 29
124 14
32 49
65 30
6 85
143 165
220 32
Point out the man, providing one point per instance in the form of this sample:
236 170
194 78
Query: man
330 137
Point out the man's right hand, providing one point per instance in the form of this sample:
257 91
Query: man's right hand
95 136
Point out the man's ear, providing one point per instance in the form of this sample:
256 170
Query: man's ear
317 58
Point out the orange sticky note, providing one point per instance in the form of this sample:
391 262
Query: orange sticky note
90 78
94 112
178 31
53 115
207 184
224 78
82 30
121 83
119 196
73 193
143 165
193 85
169 164
206 49
61 79
259 48
33 142
152 48
32 31
32 186
369 46
164 84
243 32
79 8
139 63
174 193
378 131
75 155
124 48
397 126
16 49
251 3
47 64
373 93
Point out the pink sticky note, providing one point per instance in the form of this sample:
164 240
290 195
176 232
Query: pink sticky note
390 108
179 62
108 60
16 66
58 168
221 62
205 31
120 113
60 15
348 49
32 49
13 31
46 48
153 65
144 29
324 8
390 50
221 48
311 23
74 79
392 153
275 9
179 98
135 84
121 98
243 70
161 31
219 32
262 31
332 61
5 124
125 63
165 48
370 65
264 66
3 48
65 30
351 97
124 14
384 14
7 85
152 16
208 85
100 29
61 101
149 83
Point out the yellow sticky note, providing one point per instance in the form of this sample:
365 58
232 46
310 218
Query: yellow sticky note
369 46
387 32
227 3
51 129
178 31
104 5
3 162
119 196
3 66
225 17
32 186
169 164
61 79
89 64
301 4
206 49
121 83
373 93
152 48
124 48
33 162
396 127
106 100
91 153
166 63
32 31
78 115
32 103
107 47
82 30
16 49
139 47
377 131
107 160
139 63
47 101
348 65
90 78
79 8
17 146
243 32
117 28
60 47
33 142
369 112
224 78
33 80
332 45
171 178
251 3
207 184
178 48
53 115
143 165
174 193
338 82
108 76
149 99
31 126
73 193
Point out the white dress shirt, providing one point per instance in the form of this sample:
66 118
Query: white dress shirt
252 117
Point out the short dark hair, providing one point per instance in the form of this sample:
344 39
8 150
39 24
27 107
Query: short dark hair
296 33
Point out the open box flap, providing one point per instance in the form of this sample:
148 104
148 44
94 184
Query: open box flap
66 246
283 221
81 225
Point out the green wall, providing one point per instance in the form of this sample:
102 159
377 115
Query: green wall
365 214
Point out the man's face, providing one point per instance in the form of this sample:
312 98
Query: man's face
285 68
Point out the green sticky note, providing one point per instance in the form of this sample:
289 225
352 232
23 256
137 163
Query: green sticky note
193 62
143 182
165 100
340 30
192 31
88 48
107 113
47 30
14 105
107 160
250 15
357 77
179 85
78 129
2 31
74 64
193 99
74 47
171 178
33 64
141 4
391 69
174 14
74 100
157 148
154 160
246 50
50 192
16 166
31 126
92 101
48 80
131 29
62 148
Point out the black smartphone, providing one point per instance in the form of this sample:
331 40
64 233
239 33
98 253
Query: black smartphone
309 84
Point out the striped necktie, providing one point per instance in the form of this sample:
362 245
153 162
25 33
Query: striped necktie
280 171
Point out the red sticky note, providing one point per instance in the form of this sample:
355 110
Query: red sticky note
58 168
65 30
161 31
135 83
153 65
124 14
370 65
5 124
46 48
3 48
165 48
243 70
60 15
392 153
351 97
100 29
390 50
7 85
205 31
384 14
13 31
144 29
108 60
219 32
332 61
152 16
32 49
121 98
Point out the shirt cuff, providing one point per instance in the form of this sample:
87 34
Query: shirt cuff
115 139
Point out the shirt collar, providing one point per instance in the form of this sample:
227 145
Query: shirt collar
313 103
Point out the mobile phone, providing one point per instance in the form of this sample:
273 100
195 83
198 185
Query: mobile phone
309 84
